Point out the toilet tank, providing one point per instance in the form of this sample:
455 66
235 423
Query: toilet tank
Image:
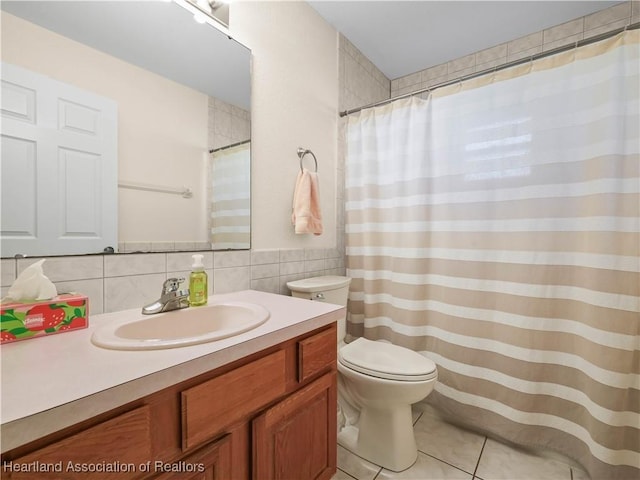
330 289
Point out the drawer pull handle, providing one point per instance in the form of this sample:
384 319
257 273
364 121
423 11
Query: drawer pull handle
319 296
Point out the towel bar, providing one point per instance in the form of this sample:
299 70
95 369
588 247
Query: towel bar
184 191
302 152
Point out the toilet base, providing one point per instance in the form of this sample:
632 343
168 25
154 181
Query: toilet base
384 437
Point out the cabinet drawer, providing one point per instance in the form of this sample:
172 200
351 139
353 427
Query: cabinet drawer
316 353
123 443
208 408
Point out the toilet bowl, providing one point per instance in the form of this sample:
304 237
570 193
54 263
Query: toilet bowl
377 384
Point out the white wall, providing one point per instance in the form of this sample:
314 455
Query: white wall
162 130
294 104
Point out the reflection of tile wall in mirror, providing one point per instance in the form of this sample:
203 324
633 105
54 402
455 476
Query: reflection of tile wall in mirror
228 124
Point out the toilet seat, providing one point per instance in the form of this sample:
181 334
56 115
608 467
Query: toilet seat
387 361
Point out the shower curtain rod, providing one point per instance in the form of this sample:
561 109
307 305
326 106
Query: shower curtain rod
530 58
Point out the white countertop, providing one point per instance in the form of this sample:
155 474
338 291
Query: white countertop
53 382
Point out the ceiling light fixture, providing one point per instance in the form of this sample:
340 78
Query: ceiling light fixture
202 11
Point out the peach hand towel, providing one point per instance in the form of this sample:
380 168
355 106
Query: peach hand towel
306 216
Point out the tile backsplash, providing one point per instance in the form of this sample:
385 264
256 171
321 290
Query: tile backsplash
119 282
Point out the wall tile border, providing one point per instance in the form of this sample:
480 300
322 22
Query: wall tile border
121 281
603 21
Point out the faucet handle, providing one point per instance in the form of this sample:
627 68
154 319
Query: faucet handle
171 285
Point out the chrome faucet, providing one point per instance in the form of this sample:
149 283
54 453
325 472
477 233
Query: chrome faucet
171 298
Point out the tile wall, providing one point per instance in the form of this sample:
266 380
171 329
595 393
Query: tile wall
228 124
616 16
164 246
119 282
361 82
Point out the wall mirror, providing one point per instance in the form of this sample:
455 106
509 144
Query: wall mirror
141 85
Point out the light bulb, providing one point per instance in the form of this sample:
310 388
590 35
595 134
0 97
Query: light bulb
200 17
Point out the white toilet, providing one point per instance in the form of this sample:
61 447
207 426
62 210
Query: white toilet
377 384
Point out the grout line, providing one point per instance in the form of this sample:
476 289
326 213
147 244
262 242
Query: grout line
419 417
479 457
445 462
346 473
104 286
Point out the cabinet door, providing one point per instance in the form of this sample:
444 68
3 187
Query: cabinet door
296 438
212 462
113 449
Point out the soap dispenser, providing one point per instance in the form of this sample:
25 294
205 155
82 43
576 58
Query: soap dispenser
198 289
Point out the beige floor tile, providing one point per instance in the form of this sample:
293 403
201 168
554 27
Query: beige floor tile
425 407
340 475
426 467
578 474
355 466
500 461
447 442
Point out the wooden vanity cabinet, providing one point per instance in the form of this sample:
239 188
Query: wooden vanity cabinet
271 415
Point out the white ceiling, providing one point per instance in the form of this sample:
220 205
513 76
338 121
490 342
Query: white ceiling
403 37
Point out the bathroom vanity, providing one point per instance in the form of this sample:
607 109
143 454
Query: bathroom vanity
260 405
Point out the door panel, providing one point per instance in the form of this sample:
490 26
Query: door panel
19 192
59 167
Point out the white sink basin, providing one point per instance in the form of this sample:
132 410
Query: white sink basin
180 328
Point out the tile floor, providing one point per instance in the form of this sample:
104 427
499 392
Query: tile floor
447 452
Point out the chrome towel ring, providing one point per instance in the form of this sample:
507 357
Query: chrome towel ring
302 152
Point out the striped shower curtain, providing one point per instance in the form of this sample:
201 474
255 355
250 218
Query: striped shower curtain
230 206
494 226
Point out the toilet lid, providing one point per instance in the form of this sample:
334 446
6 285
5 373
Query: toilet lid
384 360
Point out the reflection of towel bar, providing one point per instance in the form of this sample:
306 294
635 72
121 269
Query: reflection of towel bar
302 152
184 191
